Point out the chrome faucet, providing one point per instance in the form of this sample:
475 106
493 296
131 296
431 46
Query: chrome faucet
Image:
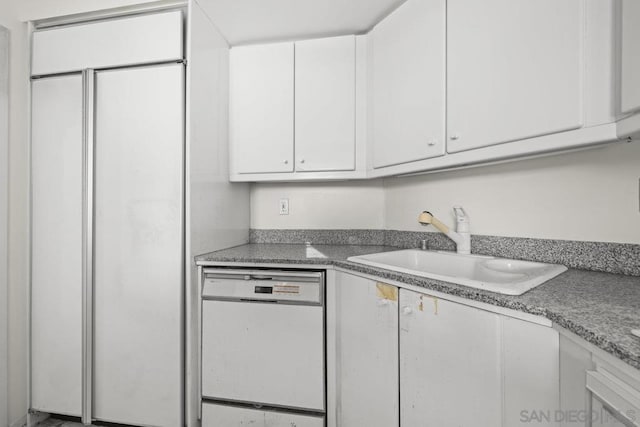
461 236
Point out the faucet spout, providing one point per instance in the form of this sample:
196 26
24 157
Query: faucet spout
461 237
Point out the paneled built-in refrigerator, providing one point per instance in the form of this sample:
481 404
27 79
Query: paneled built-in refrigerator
108 233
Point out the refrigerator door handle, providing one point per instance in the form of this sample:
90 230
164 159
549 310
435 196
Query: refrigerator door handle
88 146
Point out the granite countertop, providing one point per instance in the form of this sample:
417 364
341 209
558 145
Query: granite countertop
602 308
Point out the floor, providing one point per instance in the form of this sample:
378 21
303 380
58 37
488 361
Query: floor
59 422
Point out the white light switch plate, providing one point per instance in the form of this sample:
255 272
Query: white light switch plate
284 206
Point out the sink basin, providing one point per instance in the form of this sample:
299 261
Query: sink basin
501 275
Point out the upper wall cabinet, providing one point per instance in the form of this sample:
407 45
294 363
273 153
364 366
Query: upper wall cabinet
514 70
629 78
261 108
630 56
325 104
522 78
407 57
436 85
125 41
297 110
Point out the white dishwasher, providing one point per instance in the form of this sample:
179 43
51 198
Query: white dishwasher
263 353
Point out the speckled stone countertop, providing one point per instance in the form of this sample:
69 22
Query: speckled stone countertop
602 308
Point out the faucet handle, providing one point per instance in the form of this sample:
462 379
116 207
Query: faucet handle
462 220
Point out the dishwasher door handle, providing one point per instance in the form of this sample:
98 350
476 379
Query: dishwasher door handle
254 277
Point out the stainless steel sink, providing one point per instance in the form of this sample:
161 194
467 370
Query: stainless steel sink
501 275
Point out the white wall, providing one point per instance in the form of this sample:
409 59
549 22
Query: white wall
13 15
4 135
351 204
589 195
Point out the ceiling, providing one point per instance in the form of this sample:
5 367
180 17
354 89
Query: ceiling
250 21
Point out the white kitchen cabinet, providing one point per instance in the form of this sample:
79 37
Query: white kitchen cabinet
449 363
365 375
515 70
596 389
407 69
261 108
629 69
530 370
575 361
325 104
296 115
461 365
630 56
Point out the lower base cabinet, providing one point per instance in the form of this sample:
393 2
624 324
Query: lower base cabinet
596 390
362 320
214 415
405 358
450 371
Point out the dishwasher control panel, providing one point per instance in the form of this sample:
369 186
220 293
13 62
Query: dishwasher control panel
289 287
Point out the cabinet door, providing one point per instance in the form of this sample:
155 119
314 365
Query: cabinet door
138 255
56 230
575 361
514 70
261 108
450 371
530 364
366 370
408 84
325 104
630 56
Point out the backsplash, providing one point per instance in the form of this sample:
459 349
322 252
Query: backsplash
619 258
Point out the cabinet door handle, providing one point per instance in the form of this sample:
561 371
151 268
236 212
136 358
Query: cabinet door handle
407 310
301 160
286 162
454 137
383 302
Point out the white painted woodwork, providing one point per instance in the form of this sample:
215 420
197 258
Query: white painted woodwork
575 361
56 232
291 368
450 363
461 365
325 104
408 84
217 211
214 415
4 219
614 403
530 364
594 382
366 372
603 416
630 56
261 108
138 264
114 42
599 88
515 70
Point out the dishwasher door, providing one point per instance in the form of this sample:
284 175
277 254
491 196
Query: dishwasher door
263 338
